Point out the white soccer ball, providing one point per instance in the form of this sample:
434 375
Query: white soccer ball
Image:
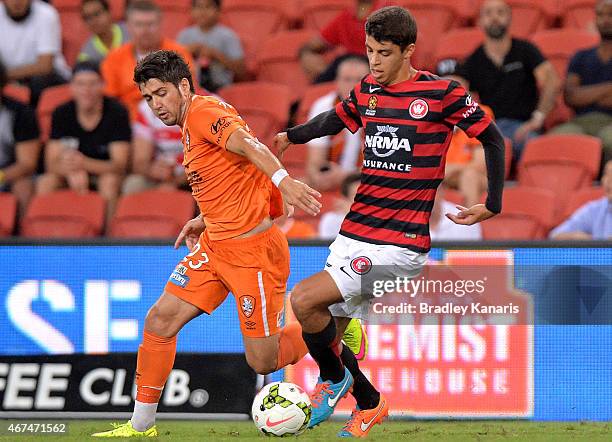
280 409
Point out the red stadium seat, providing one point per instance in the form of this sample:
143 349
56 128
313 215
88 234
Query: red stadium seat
507 156
578 14
117 8
454 196
152 214
434 18
528 213
264 106
17 92
560 163
318 13
74 33
64 214
580 197
174 21
529 16
50 98
312 94
260 18
278 60
8 212
558 45
66 5
457 44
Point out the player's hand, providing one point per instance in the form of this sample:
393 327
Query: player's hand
191 233
473 215
281 143
297 194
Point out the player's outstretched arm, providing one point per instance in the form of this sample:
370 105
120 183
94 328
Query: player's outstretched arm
295 193
326 123
493 144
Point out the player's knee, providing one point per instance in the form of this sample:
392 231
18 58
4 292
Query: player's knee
261 365
158 322
301 303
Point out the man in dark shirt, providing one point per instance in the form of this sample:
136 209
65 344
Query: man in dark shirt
90 139
19 147
588 87
507 73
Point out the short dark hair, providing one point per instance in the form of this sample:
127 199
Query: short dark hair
103 3
142 6
216 2
3 77
394 24
166 66
348 181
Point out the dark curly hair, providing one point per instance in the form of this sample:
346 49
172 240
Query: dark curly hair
166 66
394 24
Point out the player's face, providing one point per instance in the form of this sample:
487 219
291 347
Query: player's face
167 102
495 17
603 19
386 59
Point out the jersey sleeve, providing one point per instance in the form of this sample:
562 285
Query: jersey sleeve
461 110
349 113
215 122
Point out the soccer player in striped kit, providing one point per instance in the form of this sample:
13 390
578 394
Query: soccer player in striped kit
408 116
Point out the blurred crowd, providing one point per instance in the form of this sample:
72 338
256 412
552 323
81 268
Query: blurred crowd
72 118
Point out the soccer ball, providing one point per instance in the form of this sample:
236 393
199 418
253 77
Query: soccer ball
280 409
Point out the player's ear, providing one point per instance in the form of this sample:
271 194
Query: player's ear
184 88
409 50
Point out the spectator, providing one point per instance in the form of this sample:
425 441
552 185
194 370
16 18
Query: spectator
19 147
294 228
31 45
345 33
594 219
331 159
588 88
465 165
506 73
90 140
330 223
144 26
106 34
216 47
441 228
157 155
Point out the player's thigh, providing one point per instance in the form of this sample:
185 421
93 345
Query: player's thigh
169 314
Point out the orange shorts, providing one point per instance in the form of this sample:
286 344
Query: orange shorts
254 269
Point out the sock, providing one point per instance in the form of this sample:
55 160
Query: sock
324 350
291 345
155 361
365 394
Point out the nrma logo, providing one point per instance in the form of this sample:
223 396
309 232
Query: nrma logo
385 141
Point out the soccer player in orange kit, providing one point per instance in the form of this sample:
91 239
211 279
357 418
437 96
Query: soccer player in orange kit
240 187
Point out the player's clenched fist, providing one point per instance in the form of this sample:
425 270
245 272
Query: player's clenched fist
281 143
191 233
297 194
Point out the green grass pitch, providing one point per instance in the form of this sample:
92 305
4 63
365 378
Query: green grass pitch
434 431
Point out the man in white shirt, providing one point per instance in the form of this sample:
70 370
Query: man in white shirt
441 228
332 159
31 45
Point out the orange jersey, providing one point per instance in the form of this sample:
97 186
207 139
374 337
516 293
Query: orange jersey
233 195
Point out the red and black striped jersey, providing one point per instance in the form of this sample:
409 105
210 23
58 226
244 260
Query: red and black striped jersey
408 127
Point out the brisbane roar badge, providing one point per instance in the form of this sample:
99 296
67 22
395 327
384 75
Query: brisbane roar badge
247 305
